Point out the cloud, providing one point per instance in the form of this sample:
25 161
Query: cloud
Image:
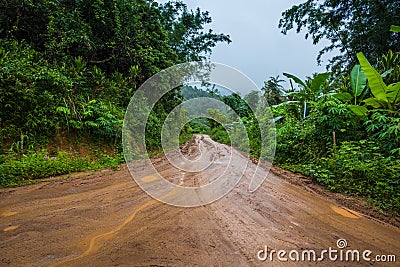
258 49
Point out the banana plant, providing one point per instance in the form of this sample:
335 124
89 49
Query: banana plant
310 90
359 89
390 64
385 97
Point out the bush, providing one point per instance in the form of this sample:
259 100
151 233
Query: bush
296 142
17 171
220 135
359 169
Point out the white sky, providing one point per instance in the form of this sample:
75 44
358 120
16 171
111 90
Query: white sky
258 49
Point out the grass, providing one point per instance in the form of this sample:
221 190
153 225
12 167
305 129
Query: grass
17 170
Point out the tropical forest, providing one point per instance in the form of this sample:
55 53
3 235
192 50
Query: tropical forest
69 68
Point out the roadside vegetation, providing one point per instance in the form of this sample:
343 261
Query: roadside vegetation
344 132
67 73
340 128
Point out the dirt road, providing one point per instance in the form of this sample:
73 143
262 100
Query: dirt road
105 219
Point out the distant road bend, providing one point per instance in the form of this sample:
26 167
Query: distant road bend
105 219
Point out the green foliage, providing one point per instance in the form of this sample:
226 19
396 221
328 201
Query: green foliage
238 105
254 135
220 135
386 130
375 81
389 66
394 28
80 63
18 171
113 35
45 98
190 92
359 169
22 77
386 97
308 92
330 115
343 144
350 26
216 120
69 69
186 32
293 142
272 91
199 125
358 81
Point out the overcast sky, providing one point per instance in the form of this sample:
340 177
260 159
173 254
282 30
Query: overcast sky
258 49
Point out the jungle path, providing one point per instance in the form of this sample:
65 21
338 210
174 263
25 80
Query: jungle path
104 219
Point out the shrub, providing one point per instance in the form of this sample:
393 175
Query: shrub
17 171
358 168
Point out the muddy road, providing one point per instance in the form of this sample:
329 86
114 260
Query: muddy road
105 219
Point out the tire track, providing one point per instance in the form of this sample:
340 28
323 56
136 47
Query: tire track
95 242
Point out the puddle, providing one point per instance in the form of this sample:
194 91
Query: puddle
148 179
8 213
348 213
10 228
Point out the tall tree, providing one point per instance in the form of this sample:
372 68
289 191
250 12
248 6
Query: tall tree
273 90
112 34
186 32
84 60
350 25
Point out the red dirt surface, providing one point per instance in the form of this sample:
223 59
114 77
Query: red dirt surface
104 219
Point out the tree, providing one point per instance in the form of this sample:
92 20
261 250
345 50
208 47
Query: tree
237 104
309 91
112 34
186 32
350 25
273 91
74 65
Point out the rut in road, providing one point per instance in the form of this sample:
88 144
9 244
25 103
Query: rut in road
95 242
